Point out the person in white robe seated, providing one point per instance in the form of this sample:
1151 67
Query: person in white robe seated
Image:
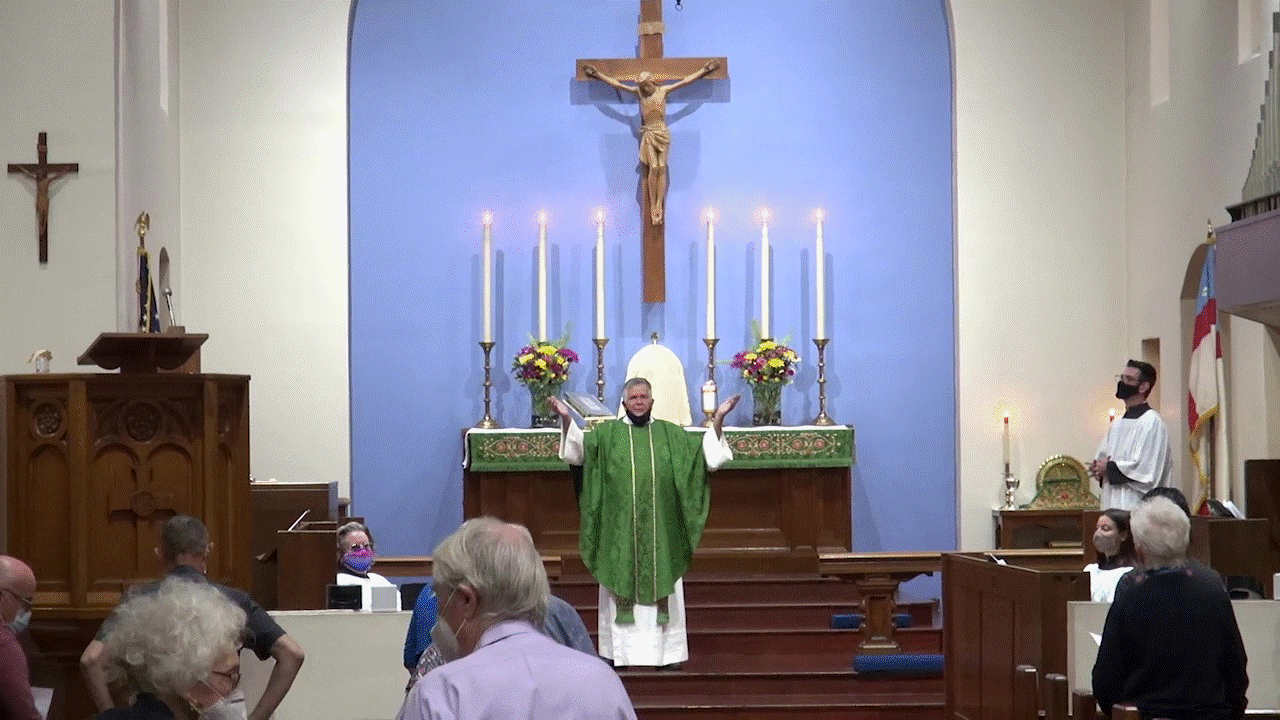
1134 457
355 559
1112 540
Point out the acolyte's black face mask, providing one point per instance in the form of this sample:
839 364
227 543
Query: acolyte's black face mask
1124 391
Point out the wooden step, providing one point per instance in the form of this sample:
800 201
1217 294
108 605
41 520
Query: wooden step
821 644
581 591
665 683
869 706
727 616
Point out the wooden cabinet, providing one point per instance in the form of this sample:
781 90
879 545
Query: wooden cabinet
1026 529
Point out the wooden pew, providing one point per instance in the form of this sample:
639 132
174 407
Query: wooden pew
996 617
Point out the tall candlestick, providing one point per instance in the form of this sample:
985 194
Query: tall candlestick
487 219
820 282
542 276
600 273
1006 441
764 273
711 273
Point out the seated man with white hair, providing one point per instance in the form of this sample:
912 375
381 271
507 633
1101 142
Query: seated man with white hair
493 595
1170 644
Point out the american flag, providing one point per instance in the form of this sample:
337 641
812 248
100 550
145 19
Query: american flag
1204 386
148 310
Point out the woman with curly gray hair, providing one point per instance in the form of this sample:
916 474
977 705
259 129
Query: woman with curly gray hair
179 650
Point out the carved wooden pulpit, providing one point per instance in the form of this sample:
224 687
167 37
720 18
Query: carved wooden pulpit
97 462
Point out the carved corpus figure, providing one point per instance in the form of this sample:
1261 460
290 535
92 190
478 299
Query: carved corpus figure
655 138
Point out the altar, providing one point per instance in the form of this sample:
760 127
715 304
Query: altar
783 499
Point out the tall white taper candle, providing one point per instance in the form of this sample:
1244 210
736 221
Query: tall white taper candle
711 273
820 282
1006 441
487 219
764 273
542 276
600 273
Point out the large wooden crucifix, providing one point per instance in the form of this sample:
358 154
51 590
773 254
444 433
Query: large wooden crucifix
45 174
643 76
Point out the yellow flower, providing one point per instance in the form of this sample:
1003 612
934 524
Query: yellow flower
775 363
541 363
749 356
767 345
547 349
524 359
791 355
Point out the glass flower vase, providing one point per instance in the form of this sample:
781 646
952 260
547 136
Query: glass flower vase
543 416
767 399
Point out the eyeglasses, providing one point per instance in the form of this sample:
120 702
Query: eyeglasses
1129 380
26 601
360 546
232 675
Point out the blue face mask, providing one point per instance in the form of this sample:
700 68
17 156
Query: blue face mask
20 621
359 560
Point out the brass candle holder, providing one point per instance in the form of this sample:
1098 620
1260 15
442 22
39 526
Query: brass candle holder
487 422
823 418
1010 487
711 376
600 343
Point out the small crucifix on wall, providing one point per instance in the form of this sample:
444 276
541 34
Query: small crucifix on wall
643 76
44 174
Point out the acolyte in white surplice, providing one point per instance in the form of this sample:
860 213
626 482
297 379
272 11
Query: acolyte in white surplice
1138 444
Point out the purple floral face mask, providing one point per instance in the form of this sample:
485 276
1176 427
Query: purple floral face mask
359 560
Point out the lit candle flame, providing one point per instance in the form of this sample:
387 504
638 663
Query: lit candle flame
764 216
486 218
710 214
820 215
542 217
600 215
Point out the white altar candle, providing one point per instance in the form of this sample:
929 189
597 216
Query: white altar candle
764 273
487 220
542 276
711 275
820 282
600 273
1006 441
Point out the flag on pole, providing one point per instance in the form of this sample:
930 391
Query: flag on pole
148 310
1205 384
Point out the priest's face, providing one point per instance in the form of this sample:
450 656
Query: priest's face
639 399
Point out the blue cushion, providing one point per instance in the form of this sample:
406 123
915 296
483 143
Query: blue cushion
852 621
921 663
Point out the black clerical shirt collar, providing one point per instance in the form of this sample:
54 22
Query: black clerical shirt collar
639 420
1136 411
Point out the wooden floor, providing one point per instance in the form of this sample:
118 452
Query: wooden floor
762 648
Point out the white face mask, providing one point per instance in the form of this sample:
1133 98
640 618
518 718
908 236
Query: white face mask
20 621
228 707
445 637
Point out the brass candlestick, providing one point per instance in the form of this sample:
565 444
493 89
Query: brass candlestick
711 376
487 422
600 343
1010 487
823 418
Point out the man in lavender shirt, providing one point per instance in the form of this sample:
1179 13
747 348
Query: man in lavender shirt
493 595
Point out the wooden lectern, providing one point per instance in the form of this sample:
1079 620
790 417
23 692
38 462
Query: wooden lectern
97 462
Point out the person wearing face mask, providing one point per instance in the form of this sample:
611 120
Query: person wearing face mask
493 594
184 550
177 649
1114 544
17 585
1134 457
355 558
643 505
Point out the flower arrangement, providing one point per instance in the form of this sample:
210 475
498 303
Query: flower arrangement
543 364
768 362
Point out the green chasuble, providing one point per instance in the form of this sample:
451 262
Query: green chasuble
644 502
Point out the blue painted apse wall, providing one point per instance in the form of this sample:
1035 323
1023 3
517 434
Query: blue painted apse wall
458 107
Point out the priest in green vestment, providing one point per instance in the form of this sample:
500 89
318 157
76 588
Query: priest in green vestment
643 505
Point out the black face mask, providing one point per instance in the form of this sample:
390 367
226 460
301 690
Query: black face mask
1124 391
639 420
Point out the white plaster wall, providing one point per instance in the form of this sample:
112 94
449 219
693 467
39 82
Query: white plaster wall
58 60
1187 159
1041 279
264 220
